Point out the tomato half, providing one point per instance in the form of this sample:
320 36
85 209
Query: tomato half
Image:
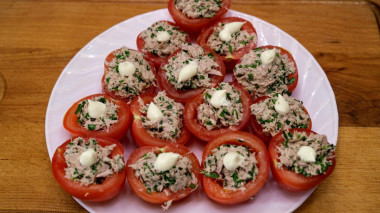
292 86
184 96
215 190
197 129
108 189
157 60
257 129
289 179
116 131
194 25
160 197
141 135
229 60
110 57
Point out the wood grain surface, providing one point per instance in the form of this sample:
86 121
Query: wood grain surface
39 38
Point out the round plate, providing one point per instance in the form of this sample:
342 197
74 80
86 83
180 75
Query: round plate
82 77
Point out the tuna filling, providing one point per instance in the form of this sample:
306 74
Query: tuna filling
231 114
198 8
177 178
273 122
99 171
104 122
262 80
236 179
164 48
239 40
290 160
169 128
132 85
206 67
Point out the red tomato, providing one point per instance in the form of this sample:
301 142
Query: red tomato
289 179
110 57
111 186
215 190
194 25
229 60
116 131
157 60
183 96
292 86
257 129
191 121
160 197
141 135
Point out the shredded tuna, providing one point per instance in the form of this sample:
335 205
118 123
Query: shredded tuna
232 114
98 172
206 67
239 40
169 128
104 122
273 122
177 178
166 205
199 8
236 179
129 86
290 160
163 49
262 80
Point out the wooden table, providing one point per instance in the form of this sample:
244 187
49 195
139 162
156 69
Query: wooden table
38 38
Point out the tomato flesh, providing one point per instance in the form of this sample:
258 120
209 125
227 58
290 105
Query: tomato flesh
229 60
289 179
197 129
194 25
160 197
141 135
184 96
215 190
116 131
157 60
108 189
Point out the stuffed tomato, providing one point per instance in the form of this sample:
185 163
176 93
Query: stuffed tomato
218 110
90 169
163 175
230 38
160 40
98 115
188 71
235 166
271 115
158 121
266 71
194 15
128 74
301 159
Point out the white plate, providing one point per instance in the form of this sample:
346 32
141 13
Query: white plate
82 77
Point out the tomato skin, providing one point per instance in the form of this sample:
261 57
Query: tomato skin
109 58
95 192
214 190
184 96
160 197
116 131
292 86
288 179
141 135
231 60
257 129
194 25
191 121
155 59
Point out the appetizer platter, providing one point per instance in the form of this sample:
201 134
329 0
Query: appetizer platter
210 95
